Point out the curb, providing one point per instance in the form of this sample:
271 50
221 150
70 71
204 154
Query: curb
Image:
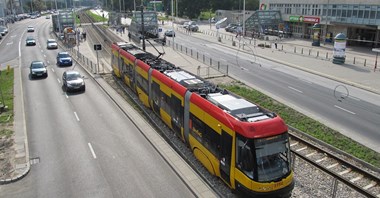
16 178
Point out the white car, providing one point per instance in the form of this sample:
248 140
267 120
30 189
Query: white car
52 44
30 28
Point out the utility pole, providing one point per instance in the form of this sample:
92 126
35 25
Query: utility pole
173 22
325 31
244 18
58 16
142 26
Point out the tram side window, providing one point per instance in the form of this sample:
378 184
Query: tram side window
156 93
130 69
165 102
244 156
197 127
176 109
114 60
211 140
143 84
123 67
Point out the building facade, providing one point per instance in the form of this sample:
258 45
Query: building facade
359 20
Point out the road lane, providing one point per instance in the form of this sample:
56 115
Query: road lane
82 143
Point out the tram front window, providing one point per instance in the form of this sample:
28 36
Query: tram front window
272 157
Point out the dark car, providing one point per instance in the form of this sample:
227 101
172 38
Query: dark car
230 27
170 33
73 81
3 30
30 41
192 26
64 59
38 69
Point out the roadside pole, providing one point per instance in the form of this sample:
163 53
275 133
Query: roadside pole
97 47
377 50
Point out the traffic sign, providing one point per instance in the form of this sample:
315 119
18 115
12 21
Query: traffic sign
97 47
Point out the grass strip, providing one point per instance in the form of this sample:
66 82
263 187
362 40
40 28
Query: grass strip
6 95
307 124
96 17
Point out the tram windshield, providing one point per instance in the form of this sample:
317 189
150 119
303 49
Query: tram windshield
272 157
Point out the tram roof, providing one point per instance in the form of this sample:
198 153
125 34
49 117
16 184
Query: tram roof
238 107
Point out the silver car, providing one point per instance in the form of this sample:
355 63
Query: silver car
3 30
38 69
52 44
73 81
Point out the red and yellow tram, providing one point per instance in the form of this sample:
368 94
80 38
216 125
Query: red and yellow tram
243 144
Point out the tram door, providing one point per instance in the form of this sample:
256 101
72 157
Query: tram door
225 156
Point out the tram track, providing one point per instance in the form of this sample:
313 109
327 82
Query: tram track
352 172
349 170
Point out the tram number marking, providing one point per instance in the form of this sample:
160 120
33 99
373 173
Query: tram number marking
271 187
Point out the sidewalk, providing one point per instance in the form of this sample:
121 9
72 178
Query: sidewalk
356 75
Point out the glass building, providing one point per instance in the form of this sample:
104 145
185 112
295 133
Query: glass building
358 20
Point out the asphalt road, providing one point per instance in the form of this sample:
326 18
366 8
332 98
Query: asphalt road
83 145
356 116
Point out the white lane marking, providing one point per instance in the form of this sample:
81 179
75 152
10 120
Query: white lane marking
13 36
10 43
52 69
45 55
222 60
92 150
292 88
66 95
353 113
305 81
58 81
355 98
76 115
48 62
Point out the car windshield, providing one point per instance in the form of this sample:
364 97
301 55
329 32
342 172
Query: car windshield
73 76
64 55
51 41
36 65
30 38
30 26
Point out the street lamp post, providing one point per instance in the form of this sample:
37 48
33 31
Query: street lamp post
173 22
244 18
59 25
142 25
325 29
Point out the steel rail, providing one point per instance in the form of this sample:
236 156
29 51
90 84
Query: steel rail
329 154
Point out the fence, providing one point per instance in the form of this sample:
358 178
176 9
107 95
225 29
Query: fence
219 67
290 48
